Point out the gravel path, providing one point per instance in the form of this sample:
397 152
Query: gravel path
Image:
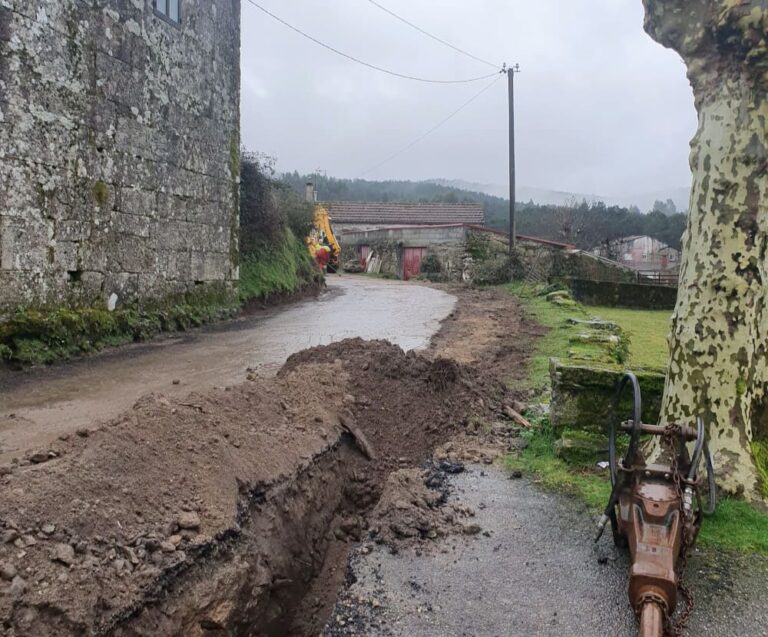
533 571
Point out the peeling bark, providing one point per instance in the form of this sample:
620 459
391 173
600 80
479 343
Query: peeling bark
719 332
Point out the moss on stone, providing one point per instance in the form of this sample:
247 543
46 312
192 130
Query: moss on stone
100 193
45 335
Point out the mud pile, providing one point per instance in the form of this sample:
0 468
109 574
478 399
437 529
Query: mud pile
216 513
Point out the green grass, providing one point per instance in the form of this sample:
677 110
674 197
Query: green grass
736 525
44 335
282 268
554 474
647 330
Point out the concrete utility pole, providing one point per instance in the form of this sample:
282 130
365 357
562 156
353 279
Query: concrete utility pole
511 70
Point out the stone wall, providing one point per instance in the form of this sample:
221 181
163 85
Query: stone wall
119 149
632 295
582 396
445 242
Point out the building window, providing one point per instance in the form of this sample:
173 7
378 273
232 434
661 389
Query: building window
170 10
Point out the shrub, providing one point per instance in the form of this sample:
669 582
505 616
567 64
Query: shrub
493 271
431 264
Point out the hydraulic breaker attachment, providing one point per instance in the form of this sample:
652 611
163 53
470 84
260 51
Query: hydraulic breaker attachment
655 511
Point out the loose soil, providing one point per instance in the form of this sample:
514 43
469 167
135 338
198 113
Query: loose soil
489 329
234 510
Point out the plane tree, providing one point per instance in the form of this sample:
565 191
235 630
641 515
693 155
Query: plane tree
719 337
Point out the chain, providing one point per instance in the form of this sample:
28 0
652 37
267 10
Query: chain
676 628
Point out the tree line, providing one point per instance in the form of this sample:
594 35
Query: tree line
583 224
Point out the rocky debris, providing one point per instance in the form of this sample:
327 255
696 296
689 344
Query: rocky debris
7 571
83 432
48 529
18 586
410 510
8 536
40 457
63 553
189 521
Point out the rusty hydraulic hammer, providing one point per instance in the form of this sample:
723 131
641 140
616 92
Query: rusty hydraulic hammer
655 510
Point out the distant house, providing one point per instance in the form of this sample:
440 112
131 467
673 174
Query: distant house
642 253
347 216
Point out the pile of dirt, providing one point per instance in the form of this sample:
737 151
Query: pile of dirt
93 525
413 507
189 516
407 403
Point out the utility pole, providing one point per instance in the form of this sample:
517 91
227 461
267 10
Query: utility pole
511 70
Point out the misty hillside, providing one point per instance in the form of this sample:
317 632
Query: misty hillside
586 225
644 202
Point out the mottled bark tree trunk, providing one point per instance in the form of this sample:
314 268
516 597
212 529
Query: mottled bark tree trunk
719 338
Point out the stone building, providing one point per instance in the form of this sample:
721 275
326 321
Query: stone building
119 149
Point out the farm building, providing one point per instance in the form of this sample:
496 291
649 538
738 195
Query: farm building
353 216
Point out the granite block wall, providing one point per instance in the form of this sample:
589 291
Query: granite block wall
119 150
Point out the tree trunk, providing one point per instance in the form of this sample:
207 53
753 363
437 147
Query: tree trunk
719 339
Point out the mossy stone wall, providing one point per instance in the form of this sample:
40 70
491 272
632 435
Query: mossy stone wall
619 294
582 396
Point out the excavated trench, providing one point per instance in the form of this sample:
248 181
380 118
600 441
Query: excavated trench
279 572
230 512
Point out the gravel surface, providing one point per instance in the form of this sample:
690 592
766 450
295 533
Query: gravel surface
533 570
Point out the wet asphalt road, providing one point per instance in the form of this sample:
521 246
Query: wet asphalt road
536 573
39 405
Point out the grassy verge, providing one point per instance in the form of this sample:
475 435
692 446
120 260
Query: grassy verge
736 526
645 329
42 336
277 269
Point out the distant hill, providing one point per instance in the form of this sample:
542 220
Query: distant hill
587 225
544 197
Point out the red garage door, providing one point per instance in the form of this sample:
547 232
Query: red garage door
412 262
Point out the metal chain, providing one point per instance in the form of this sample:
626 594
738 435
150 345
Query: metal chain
677 628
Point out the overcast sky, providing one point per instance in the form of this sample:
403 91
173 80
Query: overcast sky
601 108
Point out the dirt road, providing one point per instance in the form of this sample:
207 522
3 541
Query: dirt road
38 406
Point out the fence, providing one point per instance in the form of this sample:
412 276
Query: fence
654 277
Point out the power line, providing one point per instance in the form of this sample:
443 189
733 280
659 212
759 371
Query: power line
359 61
431 130
429 35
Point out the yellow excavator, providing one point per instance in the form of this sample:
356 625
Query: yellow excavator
323 233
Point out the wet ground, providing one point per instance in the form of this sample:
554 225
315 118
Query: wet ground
533 570
39 405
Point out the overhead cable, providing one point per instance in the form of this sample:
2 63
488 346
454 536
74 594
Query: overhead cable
429 35
431 130
362 62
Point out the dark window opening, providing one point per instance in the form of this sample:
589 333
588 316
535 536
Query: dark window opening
75 276
169 10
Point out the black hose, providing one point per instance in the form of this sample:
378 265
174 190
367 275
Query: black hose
629 377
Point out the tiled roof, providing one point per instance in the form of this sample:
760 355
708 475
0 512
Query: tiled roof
403 213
